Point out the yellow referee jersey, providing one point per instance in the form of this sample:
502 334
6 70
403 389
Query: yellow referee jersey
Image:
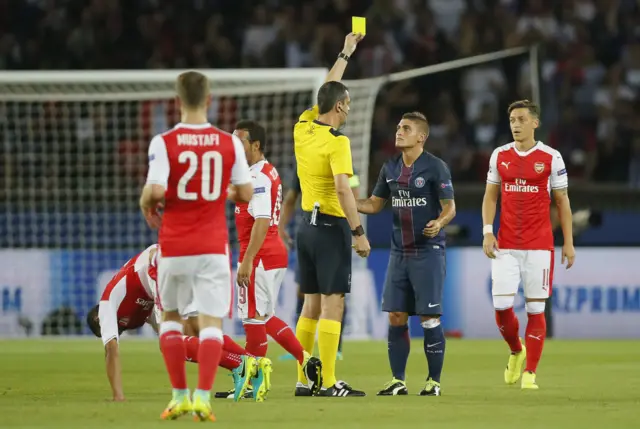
321 153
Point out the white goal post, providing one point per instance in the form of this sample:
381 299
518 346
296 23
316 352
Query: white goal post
73 161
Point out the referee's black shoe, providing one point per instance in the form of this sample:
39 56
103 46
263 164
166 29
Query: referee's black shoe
302 390
340 389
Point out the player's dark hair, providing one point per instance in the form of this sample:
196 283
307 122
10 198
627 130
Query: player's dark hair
418 118
533 108
329 94
93 322
257 133
193 89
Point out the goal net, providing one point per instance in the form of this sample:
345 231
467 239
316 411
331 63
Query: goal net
74 159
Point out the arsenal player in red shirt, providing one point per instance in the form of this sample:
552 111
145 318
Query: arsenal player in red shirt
190 169
263 260
127 303
524 173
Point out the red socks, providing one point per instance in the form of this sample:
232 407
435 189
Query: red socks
230 360
282 333
231 355
256 339
534 340
233 347
193 345
209 355
509 326
174 352
534 336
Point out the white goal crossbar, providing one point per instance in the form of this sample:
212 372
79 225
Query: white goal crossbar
74 158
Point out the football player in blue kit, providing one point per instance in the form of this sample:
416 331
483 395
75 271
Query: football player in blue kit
421 193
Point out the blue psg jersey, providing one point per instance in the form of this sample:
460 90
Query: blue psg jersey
415 193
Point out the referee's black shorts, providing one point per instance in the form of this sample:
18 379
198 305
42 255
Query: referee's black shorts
324 255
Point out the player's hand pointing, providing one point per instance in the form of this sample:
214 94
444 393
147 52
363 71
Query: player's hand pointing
490 245
568 254
432 229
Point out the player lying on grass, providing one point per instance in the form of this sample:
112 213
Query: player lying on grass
524 173
421 193
263 261
128 302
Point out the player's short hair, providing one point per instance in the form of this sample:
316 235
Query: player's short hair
418 118
329 94
93 322
192 88
256 132
533 108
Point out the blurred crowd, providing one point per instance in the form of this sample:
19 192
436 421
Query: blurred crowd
589 62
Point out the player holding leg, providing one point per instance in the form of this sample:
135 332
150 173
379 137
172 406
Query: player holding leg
263 264
421 193
522 173
127 303
190 168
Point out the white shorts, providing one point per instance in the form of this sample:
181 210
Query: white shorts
199 284
533 267
190 311
261 297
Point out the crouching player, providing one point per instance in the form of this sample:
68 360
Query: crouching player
128 302
263 264
421 193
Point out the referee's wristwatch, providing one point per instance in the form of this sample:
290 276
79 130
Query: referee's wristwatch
358 231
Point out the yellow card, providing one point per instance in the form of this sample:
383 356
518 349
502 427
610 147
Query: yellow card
358 24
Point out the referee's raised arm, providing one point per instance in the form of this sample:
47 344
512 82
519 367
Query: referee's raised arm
329 220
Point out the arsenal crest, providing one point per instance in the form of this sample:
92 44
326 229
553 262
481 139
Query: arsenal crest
539 167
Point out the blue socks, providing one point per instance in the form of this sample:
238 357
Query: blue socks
434 343
398 348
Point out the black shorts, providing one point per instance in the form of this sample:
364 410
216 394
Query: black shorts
324 255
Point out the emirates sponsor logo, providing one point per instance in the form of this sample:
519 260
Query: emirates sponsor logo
520 185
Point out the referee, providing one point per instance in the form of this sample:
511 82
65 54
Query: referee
329 220
287 212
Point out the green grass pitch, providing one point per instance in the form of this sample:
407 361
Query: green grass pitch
584 384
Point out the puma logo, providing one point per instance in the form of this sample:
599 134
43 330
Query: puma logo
539 337
506 164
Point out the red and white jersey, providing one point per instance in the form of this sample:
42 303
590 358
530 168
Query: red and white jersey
526 180
195 164
266 203
128 299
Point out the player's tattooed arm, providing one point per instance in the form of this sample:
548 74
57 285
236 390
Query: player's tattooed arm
561 198
114 370
371 205
448 213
